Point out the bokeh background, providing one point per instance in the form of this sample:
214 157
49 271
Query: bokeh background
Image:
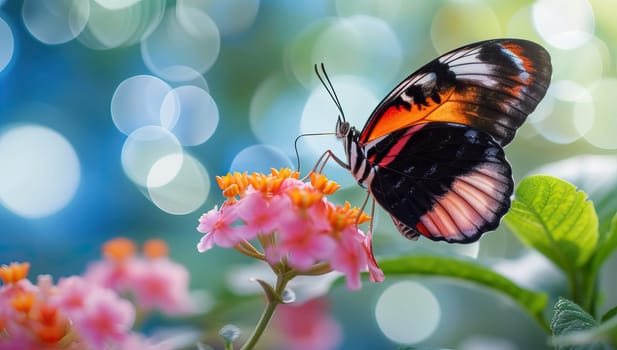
116 115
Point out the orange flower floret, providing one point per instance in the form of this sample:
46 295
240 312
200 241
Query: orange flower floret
270 184
155 248
265 184
233 185
284 173
52 334
51 326
14 272
47 314
23 301
341 217
321 183
304 198
360 216
119 249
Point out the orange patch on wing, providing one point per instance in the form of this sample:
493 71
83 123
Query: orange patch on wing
397 117
518 51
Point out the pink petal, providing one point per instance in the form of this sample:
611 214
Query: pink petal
72 294
205 243
218 229
162 284
251 206
109 273
309 249
274 254
106 319
352 281
291 183
350 258
227 237
319 217
300 260
261 216
375 273
321 246
208 220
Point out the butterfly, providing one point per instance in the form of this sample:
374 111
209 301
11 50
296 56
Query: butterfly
431 153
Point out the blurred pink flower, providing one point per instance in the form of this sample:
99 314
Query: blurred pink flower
103 319
20 338
110 273
72 293
99 316
27 320
88 313
72 315
114 271
161 284
153 280
307 326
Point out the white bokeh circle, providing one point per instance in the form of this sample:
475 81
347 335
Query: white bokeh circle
40 171
182 38
180 194
407 312
137 102
55 22
146 146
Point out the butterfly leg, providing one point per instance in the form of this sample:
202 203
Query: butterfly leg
363 206
370 225
323 160
320 165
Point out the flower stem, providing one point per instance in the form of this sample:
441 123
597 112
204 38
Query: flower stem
317 269
266 316
247 248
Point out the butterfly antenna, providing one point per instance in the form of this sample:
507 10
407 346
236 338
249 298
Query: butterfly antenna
296 144
329 88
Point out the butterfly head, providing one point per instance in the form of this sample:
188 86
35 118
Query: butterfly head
342 128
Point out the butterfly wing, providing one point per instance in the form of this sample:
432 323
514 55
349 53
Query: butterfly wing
444 181
490 85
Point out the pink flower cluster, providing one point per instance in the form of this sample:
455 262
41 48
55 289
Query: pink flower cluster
154 281
295 224
72 315
88 313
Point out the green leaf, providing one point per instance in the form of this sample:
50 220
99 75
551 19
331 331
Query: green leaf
550 215
573 328
533 302
269 290
596 175
612 313
569 317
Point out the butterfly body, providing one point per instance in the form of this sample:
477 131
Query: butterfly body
431 153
